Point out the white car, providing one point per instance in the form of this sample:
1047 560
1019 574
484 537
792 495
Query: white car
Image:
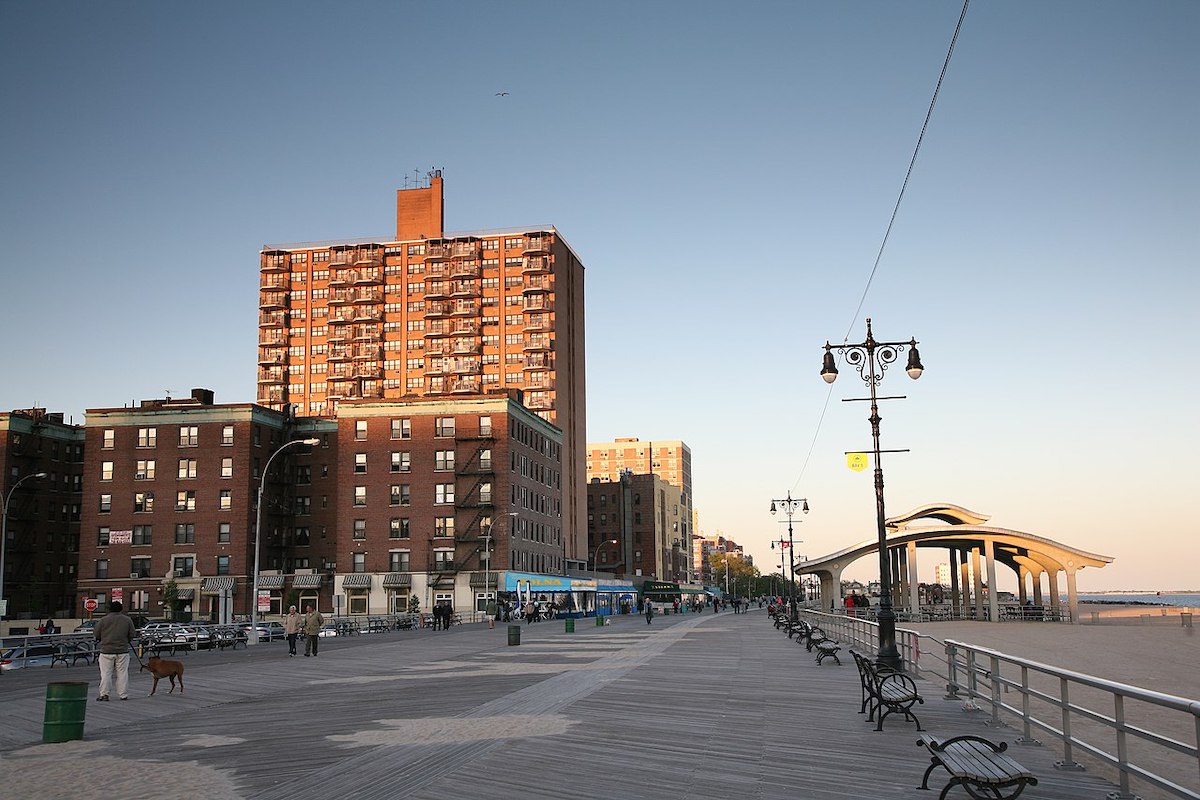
26 655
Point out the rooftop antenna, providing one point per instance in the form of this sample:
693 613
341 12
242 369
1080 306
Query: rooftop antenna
168 391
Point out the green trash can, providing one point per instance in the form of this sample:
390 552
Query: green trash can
599 621
570 621
514 635
66 706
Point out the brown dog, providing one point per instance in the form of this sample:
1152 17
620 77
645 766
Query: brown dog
164 668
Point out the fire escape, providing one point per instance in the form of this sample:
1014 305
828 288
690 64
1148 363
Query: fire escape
474 492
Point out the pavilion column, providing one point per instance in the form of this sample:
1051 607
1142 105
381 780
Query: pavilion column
1037 585
1053 576
1072 595
914 599
897 575
1022 574
989 550
956 584
977 581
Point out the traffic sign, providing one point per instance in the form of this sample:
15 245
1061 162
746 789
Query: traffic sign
90 605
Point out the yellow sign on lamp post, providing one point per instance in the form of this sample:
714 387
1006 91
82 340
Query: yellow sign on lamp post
856 461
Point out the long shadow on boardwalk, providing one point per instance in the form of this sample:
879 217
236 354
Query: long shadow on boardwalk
713 706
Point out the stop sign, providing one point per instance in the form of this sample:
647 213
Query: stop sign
90 604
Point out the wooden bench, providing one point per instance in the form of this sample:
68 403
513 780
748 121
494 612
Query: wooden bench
826 649
978 765
815 637
884 688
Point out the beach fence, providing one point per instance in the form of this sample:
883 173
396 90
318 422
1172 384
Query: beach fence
1137 738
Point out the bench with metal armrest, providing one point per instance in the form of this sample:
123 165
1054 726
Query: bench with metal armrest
978 765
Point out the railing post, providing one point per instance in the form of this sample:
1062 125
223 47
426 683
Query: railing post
994 679
1026 736
1067 762
951 672
1122 750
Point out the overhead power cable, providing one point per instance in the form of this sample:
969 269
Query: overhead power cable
888 232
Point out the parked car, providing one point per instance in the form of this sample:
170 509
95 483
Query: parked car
87 626
195 637
267 631
26 655
328 629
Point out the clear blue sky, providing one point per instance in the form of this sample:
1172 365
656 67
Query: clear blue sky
725 170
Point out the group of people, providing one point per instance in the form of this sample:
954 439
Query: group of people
443 616
310 625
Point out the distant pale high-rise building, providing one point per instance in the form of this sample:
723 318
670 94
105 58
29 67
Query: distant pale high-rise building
427 314
941 574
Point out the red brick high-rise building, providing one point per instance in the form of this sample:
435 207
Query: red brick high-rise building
433 314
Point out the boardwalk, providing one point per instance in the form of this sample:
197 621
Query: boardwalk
711 706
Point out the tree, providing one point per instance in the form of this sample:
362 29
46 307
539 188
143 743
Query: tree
170 599
414 604
741 572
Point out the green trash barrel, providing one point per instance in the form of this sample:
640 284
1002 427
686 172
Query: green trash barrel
599 620
66 706
514 635
570 621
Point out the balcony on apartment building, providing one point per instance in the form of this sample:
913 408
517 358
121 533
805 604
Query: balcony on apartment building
272 319
535 264
273 299
538 242
271 376
275 262
437 290
538 341
271 356
465 289
438 308
537 284
465 346
535 361
464 269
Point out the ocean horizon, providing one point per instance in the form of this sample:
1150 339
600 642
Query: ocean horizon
1186 599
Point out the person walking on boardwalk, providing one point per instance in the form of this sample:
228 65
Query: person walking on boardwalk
491 610
114 632
649 611
312 630
291 628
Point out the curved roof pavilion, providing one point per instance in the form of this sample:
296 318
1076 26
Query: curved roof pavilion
974 550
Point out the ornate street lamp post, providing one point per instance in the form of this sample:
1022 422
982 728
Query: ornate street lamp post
789 505
262 483
871 359
487 563
596 570
4 532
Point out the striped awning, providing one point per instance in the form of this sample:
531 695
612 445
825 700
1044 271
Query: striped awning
478 580
185 594
216 585
357 580
397 579
308 581
270 581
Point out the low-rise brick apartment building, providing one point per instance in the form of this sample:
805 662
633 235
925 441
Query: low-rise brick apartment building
41 542
397 501
635 527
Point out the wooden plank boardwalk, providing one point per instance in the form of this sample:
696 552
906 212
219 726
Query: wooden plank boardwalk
710 706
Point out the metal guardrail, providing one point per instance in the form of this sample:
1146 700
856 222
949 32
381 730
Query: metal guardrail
1138 733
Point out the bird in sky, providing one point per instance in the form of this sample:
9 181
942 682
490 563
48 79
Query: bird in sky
501 94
